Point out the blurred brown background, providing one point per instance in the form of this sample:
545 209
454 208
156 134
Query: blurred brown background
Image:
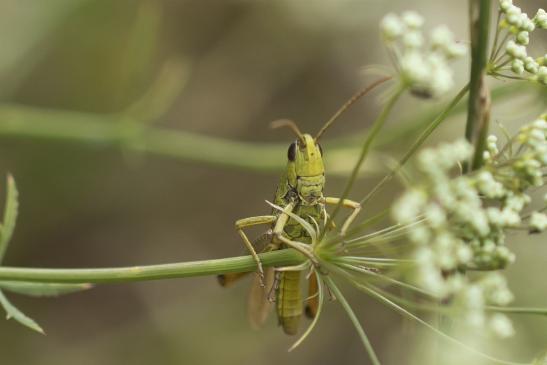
235 66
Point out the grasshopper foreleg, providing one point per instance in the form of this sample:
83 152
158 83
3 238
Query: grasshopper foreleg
347 203
248 222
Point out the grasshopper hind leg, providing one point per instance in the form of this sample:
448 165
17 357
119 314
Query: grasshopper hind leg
227 280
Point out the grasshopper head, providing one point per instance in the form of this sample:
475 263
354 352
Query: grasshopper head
306 172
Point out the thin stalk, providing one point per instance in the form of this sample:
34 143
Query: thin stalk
421 139
448 338
495 44
349 103
151 272
478 114
505 38
371 136
367 223
386 278
364 338
518 310
383 233
507 61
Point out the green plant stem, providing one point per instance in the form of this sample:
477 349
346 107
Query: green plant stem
286 257
142 136
478 113
362 334
114 131
371 136
518 310
421 139
410 126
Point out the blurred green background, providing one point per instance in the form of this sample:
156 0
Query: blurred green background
219 68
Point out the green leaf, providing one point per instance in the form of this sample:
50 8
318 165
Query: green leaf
42 289
13 312
10 216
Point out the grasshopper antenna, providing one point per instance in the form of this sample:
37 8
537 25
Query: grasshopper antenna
349 103
290 124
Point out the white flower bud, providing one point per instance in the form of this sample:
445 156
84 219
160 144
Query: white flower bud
516 202
420 235
523 37
524 21
542 75
513 16
392 27
541 19
517 66
501 325
441 36
515 50
528 25
413 39
505 255
409 206
531 65
435 215
505 5
412 19
442 79
456 50
465 254
538 221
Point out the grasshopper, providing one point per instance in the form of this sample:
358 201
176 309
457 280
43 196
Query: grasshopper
300 193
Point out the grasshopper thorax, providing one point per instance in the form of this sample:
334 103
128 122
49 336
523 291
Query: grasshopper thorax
306 172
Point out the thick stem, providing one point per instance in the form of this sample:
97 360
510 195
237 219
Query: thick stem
478 114
151 272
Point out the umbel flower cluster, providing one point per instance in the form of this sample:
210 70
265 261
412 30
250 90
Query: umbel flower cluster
423 66
517 27
463 221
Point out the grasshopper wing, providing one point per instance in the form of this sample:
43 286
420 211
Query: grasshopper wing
259 305
226 280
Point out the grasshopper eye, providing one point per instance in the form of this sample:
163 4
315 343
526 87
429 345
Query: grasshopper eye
291 153
320 149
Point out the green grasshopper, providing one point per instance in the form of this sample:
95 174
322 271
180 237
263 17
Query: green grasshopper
300 193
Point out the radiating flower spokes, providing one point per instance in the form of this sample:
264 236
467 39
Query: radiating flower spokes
445 226
510 49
